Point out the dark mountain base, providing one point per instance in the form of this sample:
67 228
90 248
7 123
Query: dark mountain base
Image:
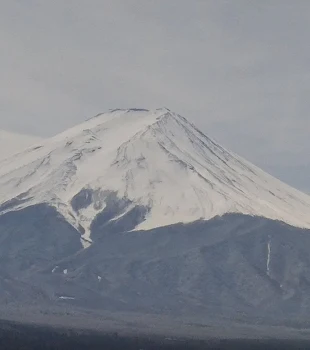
238 267
15 336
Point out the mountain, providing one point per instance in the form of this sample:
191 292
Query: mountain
11 143
137 210
152 162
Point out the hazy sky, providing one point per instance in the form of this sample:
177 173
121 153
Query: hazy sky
238 69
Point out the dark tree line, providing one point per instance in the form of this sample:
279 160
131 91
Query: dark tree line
15 336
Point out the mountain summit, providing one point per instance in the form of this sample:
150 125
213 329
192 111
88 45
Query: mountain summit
154 165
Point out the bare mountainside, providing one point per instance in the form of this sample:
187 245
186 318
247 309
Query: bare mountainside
137 210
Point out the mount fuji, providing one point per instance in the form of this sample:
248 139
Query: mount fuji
155 162
139 210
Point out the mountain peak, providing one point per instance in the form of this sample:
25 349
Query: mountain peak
129 112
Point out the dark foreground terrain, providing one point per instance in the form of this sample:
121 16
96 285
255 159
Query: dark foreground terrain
234 264
14 335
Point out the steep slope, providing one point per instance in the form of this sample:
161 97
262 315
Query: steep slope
154 165
11 143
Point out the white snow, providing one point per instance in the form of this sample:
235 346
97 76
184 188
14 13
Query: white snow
268 257
66 298
85 243
55 269
153 158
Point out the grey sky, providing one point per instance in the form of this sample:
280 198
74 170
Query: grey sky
238 69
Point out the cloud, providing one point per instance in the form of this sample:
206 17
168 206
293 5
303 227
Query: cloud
238 69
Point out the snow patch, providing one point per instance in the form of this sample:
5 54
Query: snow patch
85 243
66 298
55 269
268 257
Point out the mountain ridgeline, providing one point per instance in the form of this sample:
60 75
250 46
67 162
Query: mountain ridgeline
138 211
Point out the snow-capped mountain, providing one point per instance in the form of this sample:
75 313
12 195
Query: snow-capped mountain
173 224
11 143
156 160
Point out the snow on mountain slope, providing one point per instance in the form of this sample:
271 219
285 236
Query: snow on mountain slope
154 159
11 143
